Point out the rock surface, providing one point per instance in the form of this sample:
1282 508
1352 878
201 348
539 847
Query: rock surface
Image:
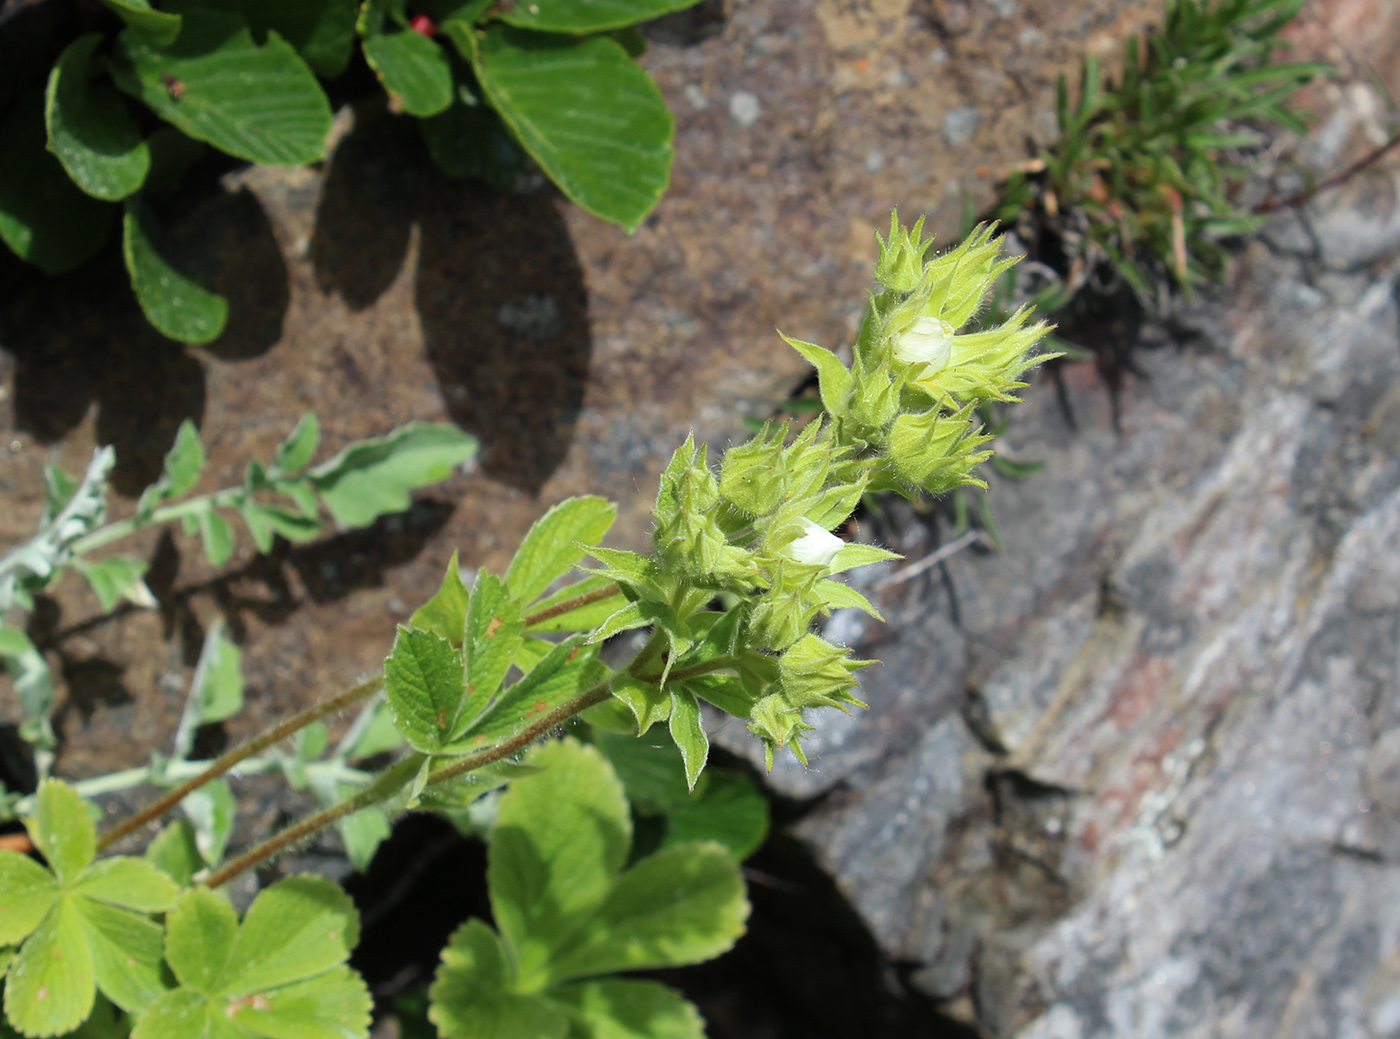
1138 776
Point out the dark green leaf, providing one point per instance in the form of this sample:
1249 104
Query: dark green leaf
44 218
90 129
177 306
412 68
590 116
373 477
322 31
650 767
426 685
730 810
469 140
159 28
549 550
172 154
585 16
261 104
568 671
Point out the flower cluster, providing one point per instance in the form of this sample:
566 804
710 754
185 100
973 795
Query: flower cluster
900 418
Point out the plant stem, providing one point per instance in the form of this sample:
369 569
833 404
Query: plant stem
392 780
703 668
389 782
300 720
558 609
122 528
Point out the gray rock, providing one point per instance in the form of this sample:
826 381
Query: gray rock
1141 776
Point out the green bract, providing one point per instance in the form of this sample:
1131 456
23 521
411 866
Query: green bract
80 926
568 912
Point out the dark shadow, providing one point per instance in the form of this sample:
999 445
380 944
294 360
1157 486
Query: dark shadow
366 211
32 34
687 28
91 682
504 311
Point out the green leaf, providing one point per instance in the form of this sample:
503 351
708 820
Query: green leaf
838 596
183 464
183 1014
125 950
27 890
127 882
33 681
363 831
293 453
469 140
50 989
566 672
549 550
90 129
492 641
44 218
116 578
650 767
322 31
259 103
177 306
373 477
581 618
425 681
731 811
211 810
175 853
626 1009
200 933
216 691
585 16
59 488
379 735
834 379
590 116
560 838
62 829
295 929
216 535
412 68
335 1005
688 731
648 702
854 554
472 995
683 904
159 28
446 612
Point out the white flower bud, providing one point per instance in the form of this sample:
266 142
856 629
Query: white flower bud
814 547
928 340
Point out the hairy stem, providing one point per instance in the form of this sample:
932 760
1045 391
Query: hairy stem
105 535
277 733
389 782
559 609
393 780
703 668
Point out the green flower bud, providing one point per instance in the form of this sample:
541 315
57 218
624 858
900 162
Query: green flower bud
814 673
936 451
778 724
901 264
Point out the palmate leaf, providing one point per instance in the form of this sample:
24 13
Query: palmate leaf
585 16
280 974
90 129
474 998
80 926
372 478
587 113
425 681
624 1009
259 103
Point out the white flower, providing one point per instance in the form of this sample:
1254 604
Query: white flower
929 340
814 546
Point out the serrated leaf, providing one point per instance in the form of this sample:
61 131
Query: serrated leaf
50 989
335 1005
177 306
559 841
425 681
585 16
127 882
27 891
472 995
200 932
259 103
618 1008
550 549
446 612
116 578
297 449
211 810
126 951
412 68
90 129
688 732
581 618
565 673
63 830
683 904
373 477
492 640
730 811
295 929
159 28
589 115
322 31
44 218
175 853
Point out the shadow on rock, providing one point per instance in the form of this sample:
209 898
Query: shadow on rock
499 290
